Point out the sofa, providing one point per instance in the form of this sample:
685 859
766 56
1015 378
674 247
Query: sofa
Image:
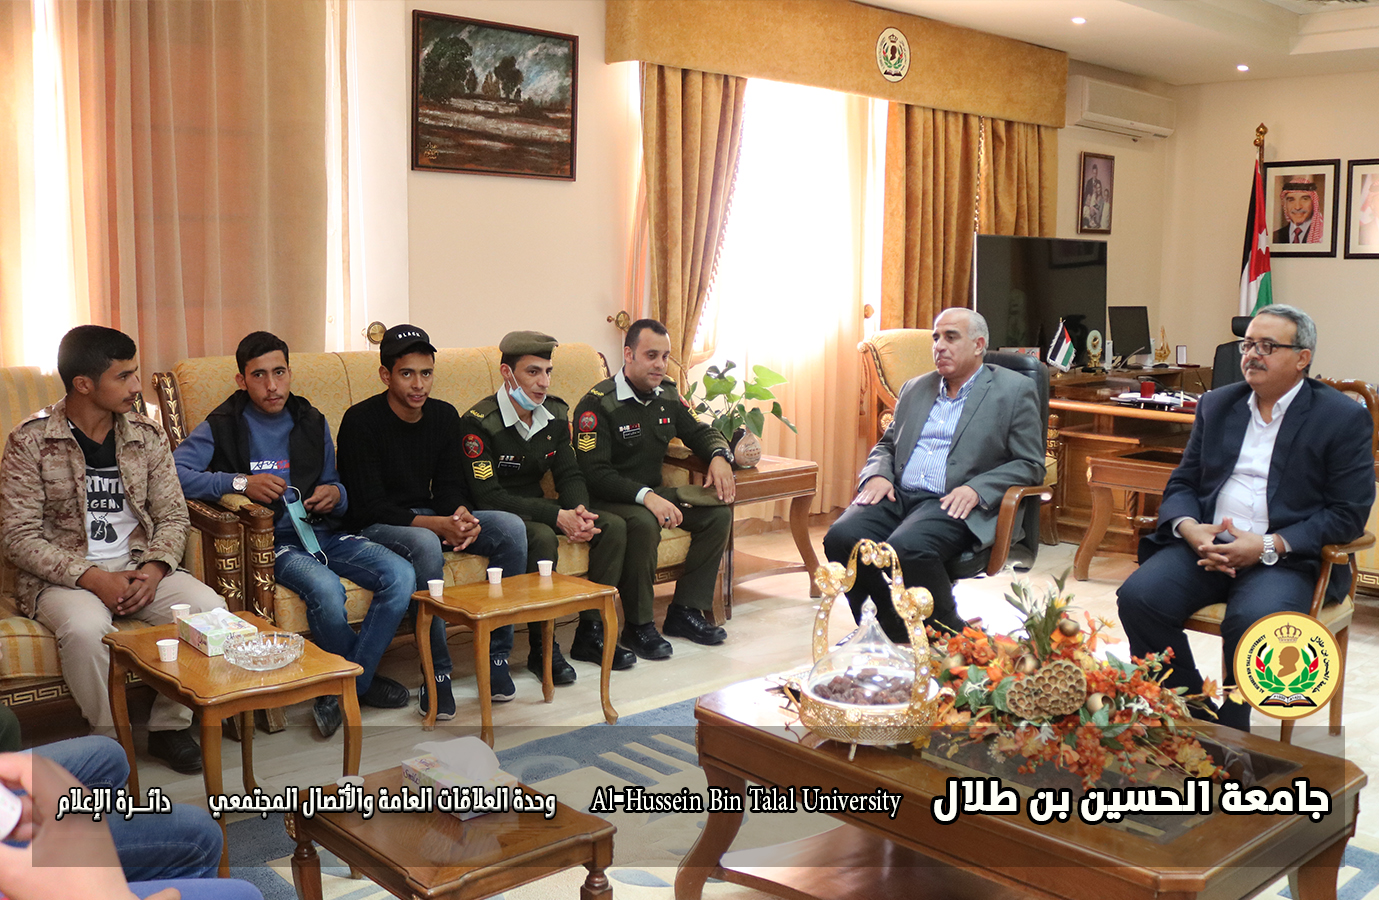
31 681
335 381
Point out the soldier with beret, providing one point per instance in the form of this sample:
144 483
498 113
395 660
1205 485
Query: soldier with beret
622 428
511 439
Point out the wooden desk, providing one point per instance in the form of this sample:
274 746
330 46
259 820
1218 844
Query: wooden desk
522 598
1138 471
433 855
744 735
220 689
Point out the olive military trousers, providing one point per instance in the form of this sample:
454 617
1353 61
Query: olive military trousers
606 553
709 527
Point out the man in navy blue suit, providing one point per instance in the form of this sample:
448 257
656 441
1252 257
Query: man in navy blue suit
1276 467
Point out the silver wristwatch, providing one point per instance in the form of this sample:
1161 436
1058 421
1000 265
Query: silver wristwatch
240 483
1270 555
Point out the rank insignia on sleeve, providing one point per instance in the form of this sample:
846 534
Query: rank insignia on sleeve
586 441
473 446
483 470
588 421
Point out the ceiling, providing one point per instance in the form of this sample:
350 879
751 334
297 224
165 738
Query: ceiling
1182 41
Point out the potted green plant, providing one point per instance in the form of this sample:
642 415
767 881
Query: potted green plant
729 404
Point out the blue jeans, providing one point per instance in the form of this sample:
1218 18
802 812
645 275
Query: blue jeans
200 889
185 844
369 565
502 538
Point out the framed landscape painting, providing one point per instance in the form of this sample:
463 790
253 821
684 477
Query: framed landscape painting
492 99
1300 206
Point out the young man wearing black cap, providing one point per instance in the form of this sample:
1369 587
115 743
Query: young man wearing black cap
511 440
401 460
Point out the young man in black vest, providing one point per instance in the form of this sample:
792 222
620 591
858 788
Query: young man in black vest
274 447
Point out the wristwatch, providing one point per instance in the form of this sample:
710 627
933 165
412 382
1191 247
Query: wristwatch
1270 555
725 453
240 483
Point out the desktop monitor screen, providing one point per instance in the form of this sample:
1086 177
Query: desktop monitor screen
1023 286
1130 330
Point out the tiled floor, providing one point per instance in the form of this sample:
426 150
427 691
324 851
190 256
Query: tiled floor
769 632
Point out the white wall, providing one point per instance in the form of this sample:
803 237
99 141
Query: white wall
1209 176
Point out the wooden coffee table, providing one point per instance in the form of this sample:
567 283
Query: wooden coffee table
522 598
743 736
426 855
220 689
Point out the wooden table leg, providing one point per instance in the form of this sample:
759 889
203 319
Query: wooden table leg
1096 530
481 651
596 886
306 870
547 649
799 527
119 711
211 726
702 861
428 666
610 620
1316 878
246 750
354 728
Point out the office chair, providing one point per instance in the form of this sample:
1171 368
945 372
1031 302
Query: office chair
1225 366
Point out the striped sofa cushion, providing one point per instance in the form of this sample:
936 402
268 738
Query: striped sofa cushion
30 650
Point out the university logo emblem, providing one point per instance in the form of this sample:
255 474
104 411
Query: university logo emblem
1287 665
892 54
473 446
588 421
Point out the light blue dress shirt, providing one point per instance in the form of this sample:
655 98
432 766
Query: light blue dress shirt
927 467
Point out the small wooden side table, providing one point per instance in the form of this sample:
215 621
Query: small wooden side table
1144 471
434 855
220 689
517 600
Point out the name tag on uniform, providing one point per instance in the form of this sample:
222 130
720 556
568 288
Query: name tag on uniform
509 461
628 432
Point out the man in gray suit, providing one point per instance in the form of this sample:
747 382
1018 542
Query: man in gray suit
932 486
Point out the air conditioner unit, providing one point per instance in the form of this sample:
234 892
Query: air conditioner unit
1121 110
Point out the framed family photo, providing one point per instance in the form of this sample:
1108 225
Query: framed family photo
492 99
1301 199
1094 193
1362 205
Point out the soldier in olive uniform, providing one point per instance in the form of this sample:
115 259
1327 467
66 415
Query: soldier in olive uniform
510 440
622 428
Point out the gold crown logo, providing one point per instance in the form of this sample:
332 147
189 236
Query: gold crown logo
1288 634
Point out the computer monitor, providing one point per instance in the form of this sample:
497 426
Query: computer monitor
1130 330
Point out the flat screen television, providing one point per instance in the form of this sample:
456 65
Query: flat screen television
1022 286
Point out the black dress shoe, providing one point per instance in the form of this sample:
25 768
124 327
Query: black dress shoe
683 622
646 642
328 715
588 647
384 693
561 671
176 748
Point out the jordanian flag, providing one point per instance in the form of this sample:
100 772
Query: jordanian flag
1256 289
1062 351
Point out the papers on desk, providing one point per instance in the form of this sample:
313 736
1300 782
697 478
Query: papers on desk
1160 400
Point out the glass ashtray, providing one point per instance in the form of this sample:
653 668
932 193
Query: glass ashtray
264 651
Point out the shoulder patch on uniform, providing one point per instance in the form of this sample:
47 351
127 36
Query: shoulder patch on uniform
473 446
588 420
586 441
483 470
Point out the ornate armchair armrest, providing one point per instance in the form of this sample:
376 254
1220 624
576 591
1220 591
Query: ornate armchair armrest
222 550
1005 521
259 582
1337 554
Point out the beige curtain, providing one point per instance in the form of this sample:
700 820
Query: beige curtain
691 137
933 162
196 140
16 166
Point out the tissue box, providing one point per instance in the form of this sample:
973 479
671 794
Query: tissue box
207 631
429 771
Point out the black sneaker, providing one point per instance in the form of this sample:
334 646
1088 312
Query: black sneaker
328 715
176 748
561 671
445 699
384 693
683 622
646 641
588 647
500 686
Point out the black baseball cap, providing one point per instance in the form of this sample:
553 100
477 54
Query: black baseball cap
400 340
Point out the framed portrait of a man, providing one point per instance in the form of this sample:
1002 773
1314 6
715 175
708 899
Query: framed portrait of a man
1094 193
1301 200
1362 209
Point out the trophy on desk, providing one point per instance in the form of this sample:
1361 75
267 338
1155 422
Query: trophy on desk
1161 352
1094 347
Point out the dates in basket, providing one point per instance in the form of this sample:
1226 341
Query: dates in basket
867 687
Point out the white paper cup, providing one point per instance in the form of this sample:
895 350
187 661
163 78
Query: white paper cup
167 649
436 587
180 610
544 566
495 575
10 809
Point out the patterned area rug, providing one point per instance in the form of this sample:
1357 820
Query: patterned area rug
650 749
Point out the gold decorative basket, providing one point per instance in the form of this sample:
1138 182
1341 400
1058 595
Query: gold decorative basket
876 725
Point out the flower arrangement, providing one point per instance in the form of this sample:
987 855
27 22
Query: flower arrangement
1044 697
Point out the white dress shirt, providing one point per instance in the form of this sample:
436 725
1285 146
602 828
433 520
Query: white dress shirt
540 416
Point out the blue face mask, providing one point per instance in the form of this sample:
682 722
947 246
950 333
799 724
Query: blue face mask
520 397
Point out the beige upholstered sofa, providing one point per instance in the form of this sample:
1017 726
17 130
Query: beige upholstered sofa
335 381
30 675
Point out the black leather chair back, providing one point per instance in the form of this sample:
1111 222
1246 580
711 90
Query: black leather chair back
1225 366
